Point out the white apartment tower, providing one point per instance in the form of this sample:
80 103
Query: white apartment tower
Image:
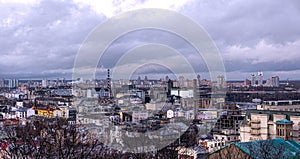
260 78
253 79
275 81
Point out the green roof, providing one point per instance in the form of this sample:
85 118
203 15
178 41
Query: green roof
278 148
284 121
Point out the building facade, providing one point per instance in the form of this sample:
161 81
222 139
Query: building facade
270 124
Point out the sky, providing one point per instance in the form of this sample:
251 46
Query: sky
41 38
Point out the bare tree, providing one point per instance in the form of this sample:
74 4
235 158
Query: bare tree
50 140
55 138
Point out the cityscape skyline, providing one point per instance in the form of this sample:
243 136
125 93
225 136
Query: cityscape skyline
40 41
149 79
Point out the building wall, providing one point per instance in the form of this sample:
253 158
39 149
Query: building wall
259 127
45 113
296 127
212 145
137 116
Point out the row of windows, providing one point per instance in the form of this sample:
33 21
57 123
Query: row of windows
217 144
228 138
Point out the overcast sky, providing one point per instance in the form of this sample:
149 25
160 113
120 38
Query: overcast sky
40 38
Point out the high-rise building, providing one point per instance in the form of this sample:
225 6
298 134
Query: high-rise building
260 78
198 80
146 80
268 82
181 81
253 79
64 81
139 80
247 82
57 82
221 81
2 83
275 81
167 78
13 83
44 83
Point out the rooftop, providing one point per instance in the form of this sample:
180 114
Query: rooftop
259 148
284 121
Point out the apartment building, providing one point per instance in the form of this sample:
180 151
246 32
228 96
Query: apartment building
270 124
282 105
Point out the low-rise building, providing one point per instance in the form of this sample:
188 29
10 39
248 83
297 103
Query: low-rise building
228 135
137 116
211 145
190 152
45 112
24 112
282 105
155 106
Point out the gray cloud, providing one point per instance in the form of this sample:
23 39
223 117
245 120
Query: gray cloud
43 38
253 35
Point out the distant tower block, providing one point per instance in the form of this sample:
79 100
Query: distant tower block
146 80
275 81
260 78
198 80
253 79
167 78
221 81
139 80
181 81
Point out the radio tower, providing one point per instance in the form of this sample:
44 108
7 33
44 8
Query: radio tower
108 83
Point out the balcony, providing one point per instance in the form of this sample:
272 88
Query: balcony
255 126
255 132
255 121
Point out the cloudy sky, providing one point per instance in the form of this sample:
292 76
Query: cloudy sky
41 38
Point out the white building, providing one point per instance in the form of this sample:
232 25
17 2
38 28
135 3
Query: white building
282 105
211 144
21 113
253 80
275 81
265 124
260 78
187 114
155 106
139 115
